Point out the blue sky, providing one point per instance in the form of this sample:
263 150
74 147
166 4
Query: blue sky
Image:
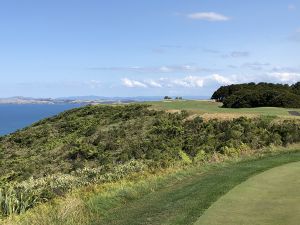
55 48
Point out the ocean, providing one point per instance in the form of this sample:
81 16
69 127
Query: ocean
14 117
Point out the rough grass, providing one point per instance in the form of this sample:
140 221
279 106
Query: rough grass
176 196
211 109
271 197
184 202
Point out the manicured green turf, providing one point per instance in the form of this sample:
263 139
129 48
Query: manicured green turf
270 198
184 202
202 107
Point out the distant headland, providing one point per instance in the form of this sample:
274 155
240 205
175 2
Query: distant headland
86 99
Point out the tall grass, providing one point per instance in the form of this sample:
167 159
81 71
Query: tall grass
93 203
16 198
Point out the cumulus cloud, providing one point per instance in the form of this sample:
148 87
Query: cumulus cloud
133 83
153 83
208 16
189 81
184 82
222 80
285 77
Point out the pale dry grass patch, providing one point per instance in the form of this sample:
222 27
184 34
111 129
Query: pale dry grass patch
227 116
66 211
220 116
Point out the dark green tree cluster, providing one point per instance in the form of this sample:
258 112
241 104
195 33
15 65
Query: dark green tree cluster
107 136
259 95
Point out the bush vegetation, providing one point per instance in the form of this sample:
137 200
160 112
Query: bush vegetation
180 194
97 144
259 95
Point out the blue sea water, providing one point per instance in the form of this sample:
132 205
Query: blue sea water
14 117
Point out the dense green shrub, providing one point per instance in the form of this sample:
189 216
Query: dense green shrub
112 135
97 144
258 95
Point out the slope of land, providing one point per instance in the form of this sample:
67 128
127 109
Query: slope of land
94 136
100 144
179 198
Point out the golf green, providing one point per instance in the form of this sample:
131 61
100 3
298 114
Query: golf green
271 197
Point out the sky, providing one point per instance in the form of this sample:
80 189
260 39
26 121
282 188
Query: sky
58 48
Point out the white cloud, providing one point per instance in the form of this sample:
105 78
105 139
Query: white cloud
221 79
208 16
184 82
133 83
189 81
286 77
165 69
153 83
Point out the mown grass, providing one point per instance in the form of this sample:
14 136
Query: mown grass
176 196
271 197
184 202
211 107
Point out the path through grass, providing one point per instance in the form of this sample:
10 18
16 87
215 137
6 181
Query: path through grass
272 197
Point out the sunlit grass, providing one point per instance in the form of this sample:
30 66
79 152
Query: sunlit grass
177 195
271 197
211 109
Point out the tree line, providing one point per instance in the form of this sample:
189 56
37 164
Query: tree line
250 95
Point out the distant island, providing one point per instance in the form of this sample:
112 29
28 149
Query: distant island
86 100
68 100
251 95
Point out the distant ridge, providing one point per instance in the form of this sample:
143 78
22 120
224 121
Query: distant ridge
91 99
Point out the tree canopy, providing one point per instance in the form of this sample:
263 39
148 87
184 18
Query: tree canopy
250 95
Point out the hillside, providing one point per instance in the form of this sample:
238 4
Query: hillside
98 144
84 137
183 196
107 135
